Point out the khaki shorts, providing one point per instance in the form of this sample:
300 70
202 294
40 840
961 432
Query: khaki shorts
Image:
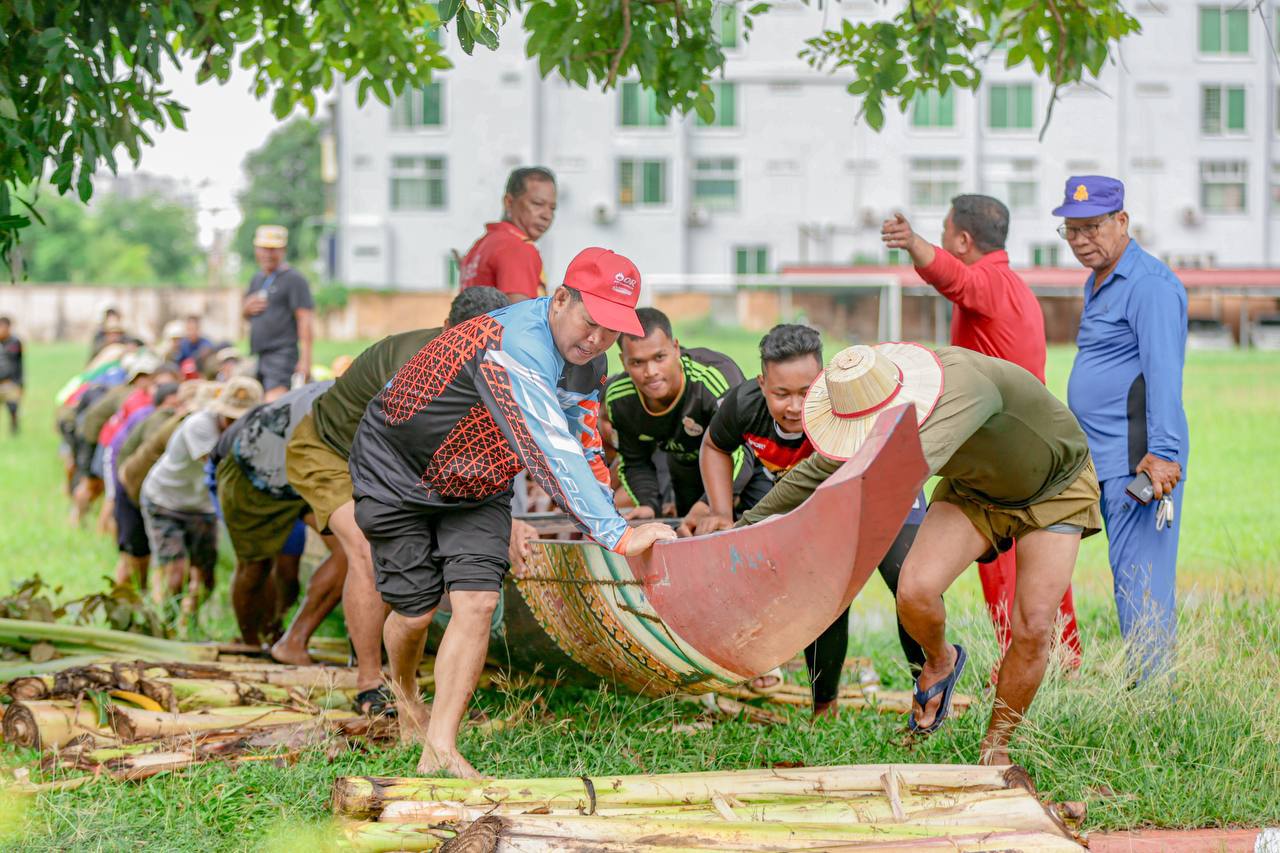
10 392
1076 505
258 523
317 472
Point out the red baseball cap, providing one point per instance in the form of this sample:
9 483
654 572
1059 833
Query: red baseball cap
610 288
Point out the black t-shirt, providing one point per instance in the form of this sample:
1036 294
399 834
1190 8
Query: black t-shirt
677 432
276 327
11 360
744 419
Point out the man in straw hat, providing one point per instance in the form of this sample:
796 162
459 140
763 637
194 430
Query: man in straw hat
435 455
1015 465
177 508
279 309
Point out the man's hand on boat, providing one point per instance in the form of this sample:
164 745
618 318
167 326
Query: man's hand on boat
639 513
643 537
712 522
522 533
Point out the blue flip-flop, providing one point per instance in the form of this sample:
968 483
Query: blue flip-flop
946 687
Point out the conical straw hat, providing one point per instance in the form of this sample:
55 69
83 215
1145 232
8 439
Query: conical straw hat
858 384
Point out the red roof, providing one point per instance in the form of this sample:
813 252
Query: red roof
1070 277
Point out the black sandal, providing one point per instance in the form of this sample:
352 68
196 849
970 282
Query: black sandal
376 702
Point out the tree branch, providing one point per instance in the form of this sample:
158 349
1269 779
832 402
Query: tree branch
622 48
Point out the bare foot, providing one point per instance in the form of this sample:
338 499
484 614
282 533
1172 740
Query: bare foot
413 716
826 709
930 676
445 762
284 652
768 682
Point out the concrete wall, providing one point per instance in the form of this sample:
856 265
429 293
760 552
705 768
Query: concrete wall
52 312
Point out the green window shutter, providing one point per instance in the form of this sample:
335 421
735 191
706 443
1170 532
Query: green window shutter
920 113
998 107
727 105
945 110
654 183
626 183
724 25
652 118
630 115
1210 29
1235 109
762 261
1022 95
740 261
1237 30
432 114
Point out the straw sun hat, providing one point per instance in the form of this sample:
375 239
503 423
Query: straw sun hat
858 384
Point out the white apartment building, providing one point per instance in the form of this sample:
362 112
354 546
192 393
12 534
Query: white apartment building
1187 116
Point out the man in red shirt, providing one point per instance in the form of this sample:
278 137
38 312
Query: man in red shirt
505 256
995 313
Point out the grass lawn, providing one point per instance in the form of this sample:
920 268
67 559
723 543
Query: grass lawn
1205 753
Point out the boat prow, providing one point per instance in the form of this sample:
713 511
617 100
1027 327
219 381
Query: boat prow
697 614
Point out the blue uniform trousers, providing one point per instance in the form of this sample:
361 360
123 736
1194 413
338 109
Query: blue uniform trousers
1144 568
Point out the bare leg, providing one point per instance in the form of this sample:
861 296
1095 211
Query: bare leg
458 665
107 518
87 491
253 598
945 546
323 594
361 604
285 578
131 567
1045 563
405 636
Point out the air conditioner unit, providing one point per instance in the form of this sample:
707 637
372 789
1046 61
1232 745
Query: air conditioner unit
699 216
604 213
1191 217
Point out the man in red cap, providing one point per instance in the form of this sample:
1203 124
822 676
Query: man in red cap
434 457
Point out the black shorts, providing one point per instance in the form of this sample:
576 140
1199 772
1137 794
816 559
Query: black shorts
131 532
418 554
276 367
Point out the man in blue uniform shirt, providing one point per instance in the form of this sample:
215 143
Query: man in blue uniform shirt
1126 391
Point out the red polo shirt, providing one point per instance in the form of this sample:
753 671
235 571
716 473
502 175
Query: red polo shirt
504 258
995 311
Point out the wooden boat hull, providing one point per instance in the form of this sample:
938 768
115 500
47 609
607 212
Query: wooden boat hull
698 614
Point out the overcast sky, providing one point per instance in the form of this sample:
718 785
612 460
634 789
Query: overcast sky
224 123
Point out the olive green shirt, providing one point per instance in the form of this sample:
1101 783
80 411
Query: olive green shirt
96 416
337 412
996 433
141 432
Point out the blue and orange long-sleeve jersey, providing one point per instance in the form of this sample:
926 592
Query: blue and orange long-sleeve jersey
475 406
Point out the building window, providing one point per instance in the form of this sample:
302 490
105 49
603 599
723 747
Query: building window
934 182
1224 29
931 109
1275 186
896 258
419 108
418 183
724 25
751 260
1021 195
1010 106
725 98
1044 255
642 183
715 182
639 107
1222 110
1223 186
452 274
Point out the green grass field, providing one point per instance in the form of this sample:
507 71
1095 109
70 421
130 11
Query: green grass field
1206 753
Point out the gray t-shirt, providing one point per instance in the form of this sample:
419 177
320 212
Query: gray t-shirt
258 444
276 328
176 482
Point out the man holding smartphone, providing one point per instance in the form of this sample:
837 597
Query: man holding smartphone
279 309
1126 391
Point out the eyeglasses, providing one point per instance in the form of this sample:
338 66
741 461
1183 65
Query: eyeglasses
1070 232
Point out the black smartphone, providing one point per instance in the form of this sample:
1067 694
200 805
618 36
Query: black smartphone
1141 489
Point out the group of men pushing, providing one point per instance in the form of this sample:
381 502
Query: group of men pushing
406 462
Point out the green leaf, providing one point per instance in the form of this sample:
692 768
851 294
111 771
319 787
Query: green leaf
449 8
